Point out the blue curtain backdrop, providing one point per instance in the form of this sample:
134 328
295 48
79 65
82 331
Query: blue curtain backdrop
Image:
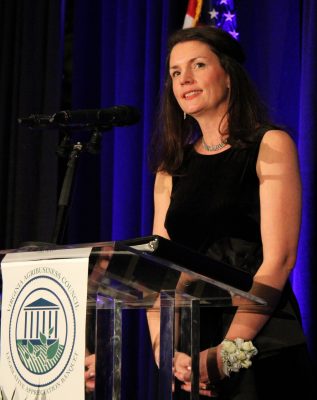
118 59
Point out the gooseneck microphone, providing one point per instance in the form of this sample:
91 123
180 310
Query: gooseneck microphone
100 118
113 116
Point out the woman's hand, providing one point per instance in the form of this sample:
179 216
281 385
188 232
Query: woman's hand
90 362
182 371
182 367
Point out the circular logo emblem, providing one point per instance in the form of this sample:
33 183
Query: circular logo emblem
42 331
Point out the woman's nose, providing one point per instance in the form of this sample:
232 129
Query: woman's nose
187 77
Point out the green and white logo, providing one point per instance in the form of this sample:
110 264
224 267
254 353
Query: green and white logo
42 331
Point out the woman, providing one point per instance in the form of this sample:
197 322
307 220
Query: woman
228 185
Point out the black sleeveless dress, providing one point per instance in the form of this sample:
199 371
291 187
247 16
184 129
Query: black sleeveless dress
215 209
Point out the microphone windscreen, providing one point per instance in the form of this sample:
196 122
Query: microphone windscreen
76 117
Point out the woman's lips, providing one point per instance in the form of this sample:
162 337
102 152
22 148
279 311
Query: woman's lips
191 94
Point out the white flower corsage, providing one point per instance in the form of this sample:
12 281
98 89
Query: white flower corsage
236 354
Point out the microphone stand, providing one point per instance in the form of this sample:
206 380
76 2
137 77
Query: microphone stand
93 147
63 203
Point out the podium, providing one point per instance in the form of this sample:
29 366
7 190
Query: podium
169 282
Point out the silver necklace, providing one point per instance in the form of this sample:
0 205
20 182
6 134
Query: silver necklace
215 147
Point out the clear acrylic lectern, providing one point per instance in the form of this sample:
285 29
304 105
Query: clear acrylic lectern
171 283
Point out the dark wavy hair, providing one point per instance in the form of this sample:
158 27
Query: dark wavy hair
245 113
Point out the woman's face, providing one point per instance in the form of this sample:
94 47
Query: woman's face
200 84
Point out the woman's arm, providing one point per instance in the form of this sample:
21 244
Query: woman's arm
162 195
280 202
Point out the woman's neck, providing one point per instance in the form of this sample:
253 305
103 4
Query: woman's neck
212 129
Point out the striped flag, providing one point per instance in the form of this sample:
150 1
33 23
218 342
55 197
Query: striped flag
219 13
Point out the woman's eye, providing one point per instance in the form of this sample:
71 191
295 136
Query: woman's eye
175 74
199 65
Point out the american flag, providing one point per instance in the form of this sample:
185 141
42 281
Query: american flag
219 13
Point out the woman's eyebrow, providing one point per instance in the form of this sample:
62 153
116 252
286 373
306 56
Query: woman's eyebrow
190 61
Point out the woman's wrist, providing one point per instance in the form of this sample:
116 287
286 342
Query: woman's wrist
236 354
229 356
213 366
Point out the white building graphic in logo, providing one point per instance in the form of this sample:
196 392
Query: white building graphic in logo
40 316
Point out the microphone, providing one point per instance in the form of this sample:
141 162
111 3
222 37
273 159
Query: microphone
113 116
103 118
